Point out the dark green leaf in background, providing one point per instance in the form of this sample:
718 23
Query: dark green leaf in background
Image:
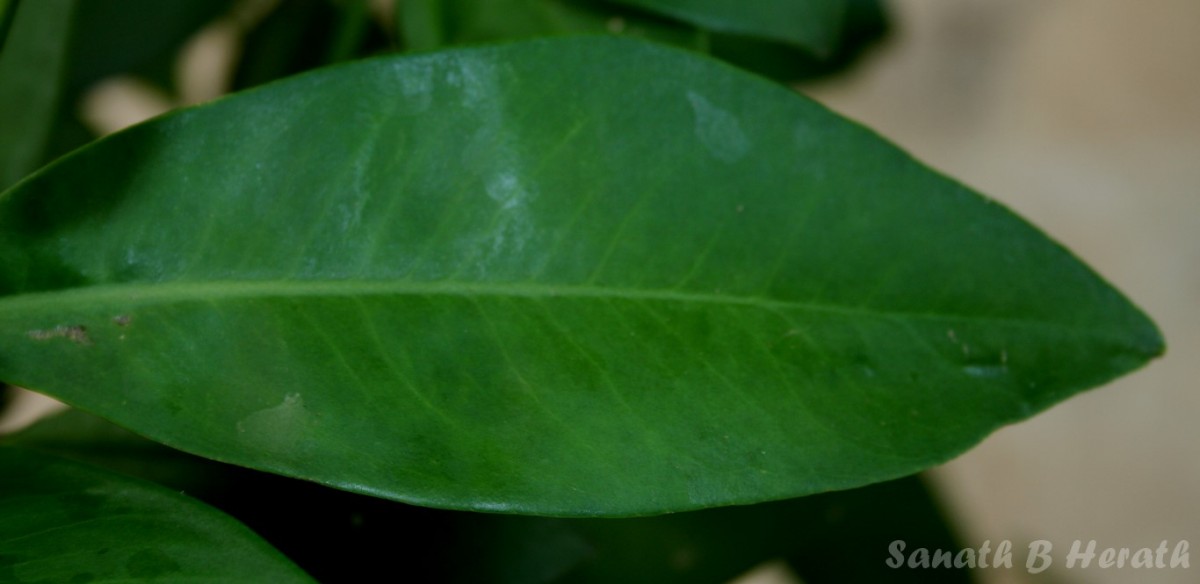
8 9
138 38
834 538
95 441
571 277
340 537
60 48
428 24
32 65
809 24
865 24
303 34
66 522
419 24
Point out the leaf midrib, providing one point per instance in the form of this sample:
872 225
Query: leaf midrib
182 290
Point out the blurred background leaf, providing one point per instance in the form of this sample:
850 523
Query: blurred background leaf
8 8
864 25
138 38
68 522
430 24
304 34
32 67
812 25
343 537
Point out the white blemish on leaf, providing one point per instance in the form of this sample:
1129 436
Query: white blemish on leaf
512 227
478 79
495 155
416 84
507 190
985 371
718 130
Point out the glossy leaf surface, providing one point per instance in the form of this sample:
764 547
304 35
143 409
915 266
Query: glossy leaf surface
66 522
578 276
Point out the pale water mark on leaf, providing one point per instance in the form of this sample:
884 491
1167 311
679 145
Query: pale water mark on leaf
718 130
278 429
502 165
985 370
507 190
477 78
416 85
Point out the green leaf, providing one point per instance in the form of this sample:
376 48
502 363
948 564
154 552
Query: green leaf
585 276
141 38
31 71
429 24
344 537
864 24
333 535
92 440
8 8
66 522
304 34
810 24
419 24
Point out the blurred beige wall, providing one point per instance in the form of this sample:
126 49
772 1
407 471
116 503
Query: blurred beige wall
1084 117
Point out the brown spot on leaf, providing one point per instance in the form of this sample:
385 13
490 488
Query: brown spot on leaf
76 334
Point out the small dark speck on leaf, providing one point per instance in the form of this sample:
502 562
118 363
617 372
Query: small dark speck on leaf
76 334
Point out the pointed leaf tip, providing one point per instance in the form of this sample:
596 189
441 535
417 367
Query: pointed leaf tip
584 276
